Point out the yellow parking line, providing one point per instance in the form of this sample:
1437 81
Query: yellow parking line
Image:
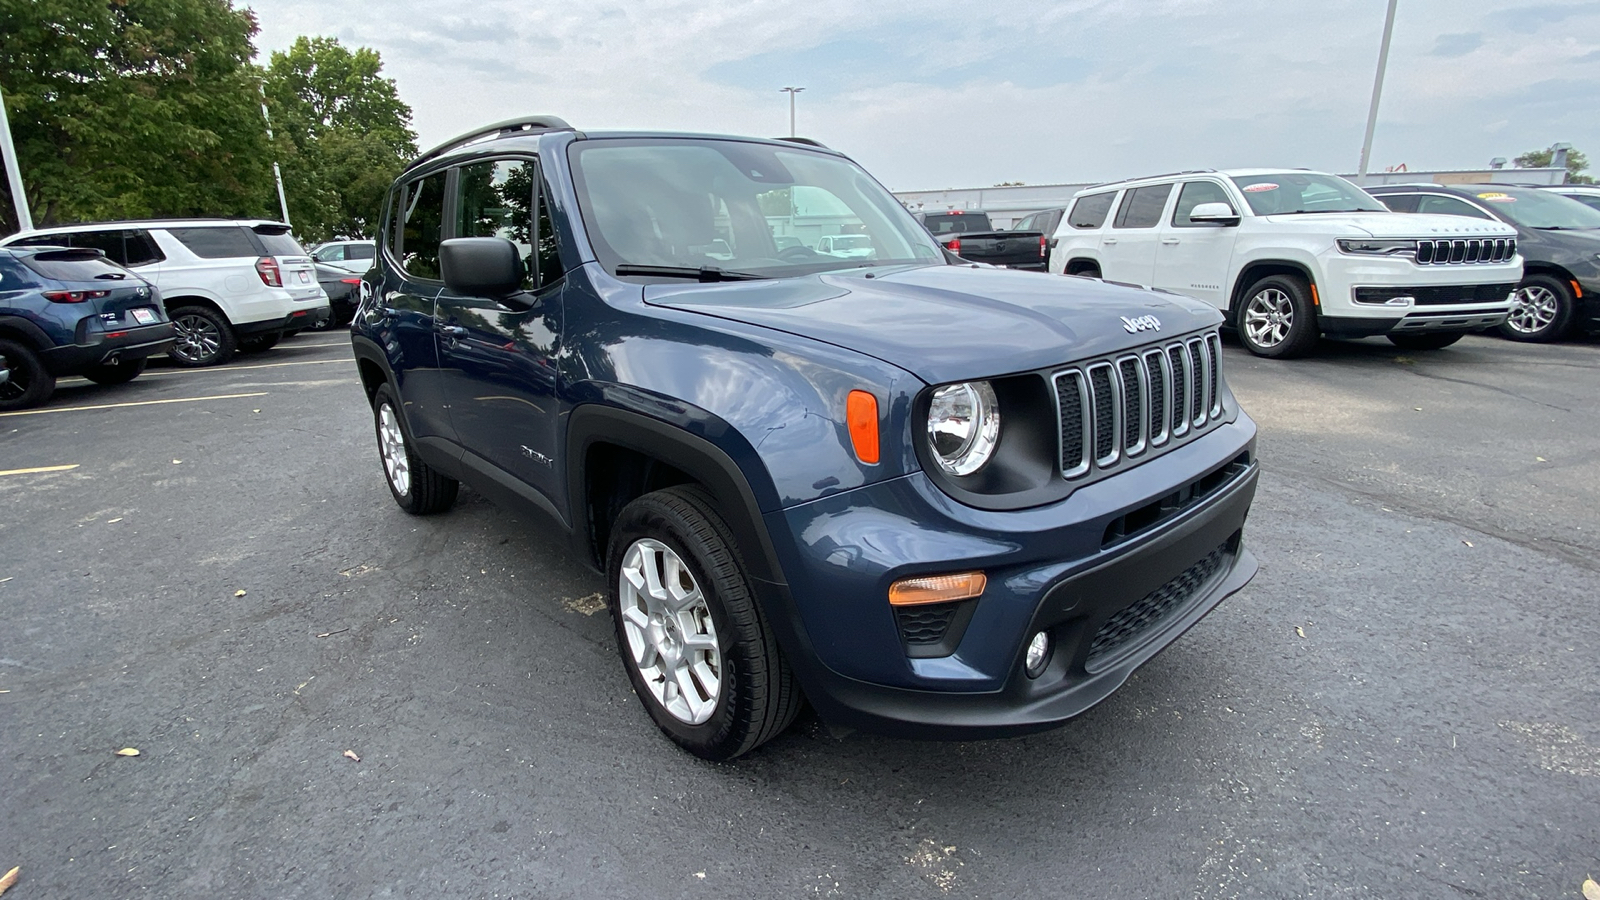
40 412
37 469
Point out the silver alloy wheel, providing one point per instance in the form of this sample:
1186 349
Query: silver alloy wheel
392 447
671 638
1535 308
1268 317
198 338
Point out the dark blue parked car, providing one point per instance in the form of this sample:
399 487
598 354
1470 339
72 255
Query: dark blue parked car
930 498
73 312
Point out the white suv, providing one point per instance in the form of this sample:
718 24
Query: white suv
227 284
1292 255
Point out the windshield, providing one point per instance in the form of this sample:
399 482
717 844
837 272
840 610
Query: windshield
1540 209
1303 192
737 206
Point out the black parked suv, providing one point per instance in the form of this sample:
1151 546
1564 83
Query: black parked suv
1558 237
73 312
933 499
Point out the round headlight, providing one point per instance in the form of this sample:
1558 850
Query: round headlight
963 426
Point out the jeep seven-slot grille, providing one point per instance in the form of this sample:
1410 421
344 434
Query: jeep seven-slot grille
1136 404
1463 251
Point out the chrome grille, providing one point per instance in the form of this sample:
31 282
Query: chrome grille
1152 399
1465 251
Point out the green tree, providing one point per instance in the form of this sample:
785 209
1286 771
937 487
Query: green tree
343 135
132 108
1576 163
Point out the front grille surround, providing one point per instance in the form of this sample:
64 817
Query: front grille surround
1465 251
1160 396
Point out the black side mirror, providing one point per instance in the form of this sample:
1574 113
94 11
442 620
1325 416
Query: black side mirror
485 267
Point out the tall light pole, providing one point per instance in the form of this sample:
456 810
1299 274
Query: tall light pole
13 172
791 91
1377 91
277 174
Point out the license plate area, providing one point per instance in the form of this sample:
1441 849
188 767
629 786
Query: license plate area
143 315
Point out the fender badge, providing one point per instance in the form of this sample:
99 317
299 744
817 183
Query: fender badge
1143 323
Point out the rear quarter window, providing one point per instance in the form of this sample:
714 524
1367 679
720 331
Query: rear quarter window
1091 211
217 242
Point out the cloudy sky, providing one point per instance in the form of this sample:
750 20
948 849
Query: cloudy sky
942 93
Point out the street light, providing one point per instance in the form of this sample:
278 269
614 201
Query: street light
791 91
1377 91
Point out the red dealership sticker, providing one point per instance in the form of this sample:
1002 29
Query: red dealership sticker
1258 188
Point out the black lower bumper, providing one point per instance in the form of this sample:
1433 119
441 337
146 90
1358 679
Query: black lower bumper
1104 623
119 346
295 321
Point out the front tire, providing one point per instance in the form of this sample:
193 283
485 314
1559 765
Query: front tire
30 383
204 337
417 487
121 373
1424 341
691 634
1276 318
1542 311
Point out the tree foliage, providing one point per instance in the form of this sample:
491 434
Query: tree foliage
342 132
133 108
1576 163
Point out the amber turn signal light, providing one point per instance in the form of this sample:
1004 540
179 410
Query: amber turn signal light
861 412
936 588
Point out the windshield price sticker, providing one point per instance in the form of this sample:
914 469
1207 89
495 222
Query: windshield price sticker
1259 188
1497 197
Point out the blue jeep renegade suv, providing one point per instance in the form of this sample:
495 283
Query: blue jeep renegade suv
930 498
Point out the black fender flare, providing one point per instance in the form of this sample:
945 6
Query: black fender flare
33 333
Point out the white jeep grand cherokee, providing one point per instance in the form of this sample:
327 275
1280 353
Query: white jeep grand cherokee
1292 255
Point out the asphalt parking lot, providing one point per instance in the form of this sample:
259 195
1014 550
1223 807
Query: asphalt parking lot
1402 704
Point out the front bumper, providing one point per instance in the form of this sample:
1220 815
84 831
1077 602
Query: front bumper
125 344
1109 604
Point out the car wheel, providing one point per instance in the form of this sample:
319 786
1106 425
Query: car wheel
259 344
1541 311
1425 341
692 637
416 486
30 383
121 373
1276 319
204 337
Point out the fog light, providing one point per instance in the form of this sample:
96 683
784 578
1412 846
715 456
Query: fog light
1038 655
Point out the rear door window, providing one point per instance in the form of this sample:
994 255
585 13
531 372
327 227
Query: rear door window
1141 207
422 226
358 251
1090 211
217 241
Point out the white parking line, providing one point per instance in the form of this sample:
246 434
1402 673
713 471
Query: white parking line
37 469
41 412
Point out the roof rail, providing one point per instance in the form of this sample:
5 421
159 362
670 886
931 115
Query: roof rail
525 124
803 140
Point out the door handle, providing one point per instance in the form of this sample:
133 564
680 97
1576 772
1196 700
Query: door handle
1109 241
452 331
1169 241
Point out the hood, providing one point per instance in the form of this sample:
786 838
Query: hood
949 323
1398 225
1582 243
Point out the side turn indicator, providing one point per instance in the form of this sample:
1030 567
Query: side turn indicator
861 412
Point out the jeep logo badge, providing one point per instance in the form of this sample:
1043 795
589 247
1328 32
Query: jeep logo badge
1143 323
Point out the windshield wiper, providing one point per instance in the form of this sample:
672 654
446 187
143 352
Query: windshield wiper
705 274
1566 227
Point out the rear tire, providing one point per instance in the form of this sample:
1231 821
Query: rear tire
1424 341
1275 318
204 337
416 486
30 383
121 373
1542 311
691 633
